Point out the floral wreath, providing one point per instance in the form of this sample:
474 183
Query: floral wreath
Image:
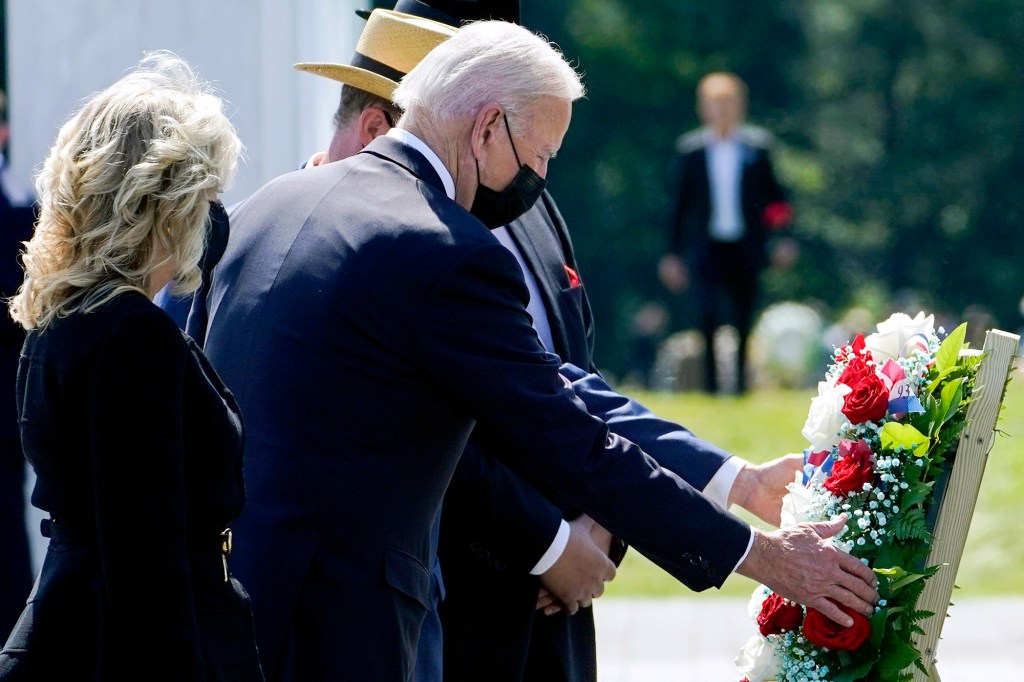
883 430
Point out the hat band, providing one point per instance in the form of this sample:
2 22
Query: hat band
368 63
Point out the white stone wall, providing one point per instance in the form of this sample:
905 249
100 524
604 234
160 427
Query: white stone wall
60 51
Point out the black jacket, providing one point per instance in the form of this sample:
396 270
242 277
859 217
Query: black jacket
137 449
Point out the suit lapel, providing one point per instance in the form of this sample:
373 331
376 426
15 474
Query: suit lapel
543 256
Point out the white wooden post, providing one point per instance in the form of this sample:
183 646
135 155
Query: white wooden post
957 507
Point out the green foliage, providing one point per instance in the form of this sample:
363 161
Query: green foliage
897 132
910 526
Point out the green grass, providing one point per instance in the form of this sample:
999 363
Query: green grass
767 424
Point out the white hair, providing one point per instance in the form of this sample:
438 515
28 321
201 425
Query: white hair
487 61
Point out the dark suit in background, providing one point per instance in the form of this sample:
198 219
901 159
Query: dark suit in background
15 564
725 272
362 344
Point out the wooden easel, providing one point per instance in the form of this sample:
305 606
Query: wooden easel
957 506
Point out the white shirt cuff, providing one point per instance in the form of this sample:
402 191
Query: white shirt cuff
554 550
750 543
718 488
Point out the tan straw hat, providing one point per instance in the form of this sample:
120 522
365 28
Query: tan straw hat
391 44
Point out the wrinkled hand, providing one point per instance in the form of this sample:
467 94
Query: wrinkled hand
579 574
799 564
759 488
673 273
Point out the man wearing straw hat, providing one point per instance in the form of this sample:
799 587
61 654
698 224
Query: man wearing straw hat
503 540
366 320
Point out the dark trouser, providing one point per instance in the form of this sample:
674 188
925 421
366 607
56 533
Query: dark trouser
725 281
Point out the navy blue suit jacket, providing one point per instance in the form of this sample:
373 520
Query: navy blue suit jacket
365 322
495 525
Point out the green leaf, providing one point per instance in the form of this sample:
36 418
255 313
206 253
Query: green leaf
937 380
899 584
852 673
949 351
896 658
878 629
916 494
910 524
952 394
895 435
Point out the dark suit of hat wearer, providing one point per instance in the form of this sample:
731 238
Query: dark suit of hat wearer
725 272
137 449
15 565
365 321
495 525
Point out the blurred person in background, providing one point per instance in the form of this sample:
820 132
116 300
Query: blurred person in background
136 443
727 203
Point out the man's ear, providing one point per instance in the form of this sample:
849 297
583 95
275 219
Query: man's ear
485 128
372 124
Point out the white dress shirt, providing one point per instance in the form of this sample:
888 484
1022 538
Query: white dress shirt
724 159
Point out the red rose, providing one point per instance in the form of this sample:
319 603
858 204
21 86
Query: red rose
853 468
868 399
778 616
857 371
827 634
858 349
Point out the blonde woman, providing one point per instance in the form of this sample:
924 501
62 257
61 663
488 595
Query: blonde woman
135 441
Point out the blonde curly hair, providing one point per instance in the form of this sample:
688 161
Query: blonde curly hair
124 192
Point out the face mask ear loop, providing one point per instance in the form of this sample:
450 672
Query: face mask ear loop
511 141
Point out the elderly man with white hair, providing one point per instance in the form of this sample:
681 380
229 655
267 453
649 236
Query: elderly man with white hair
366 318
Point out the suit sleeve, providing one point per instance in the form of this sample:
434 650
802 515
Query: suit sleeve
492 509
679 200
140 497
475 338
672 445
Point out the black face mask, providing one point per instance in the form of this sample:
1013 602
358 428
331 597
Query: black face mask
217 228
495 209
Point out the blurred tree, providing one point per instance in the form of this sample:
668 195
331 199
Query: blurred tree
898 129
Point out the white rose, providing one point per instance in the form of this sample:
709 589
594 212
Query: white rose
825 416
796 505
892 336
758 660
